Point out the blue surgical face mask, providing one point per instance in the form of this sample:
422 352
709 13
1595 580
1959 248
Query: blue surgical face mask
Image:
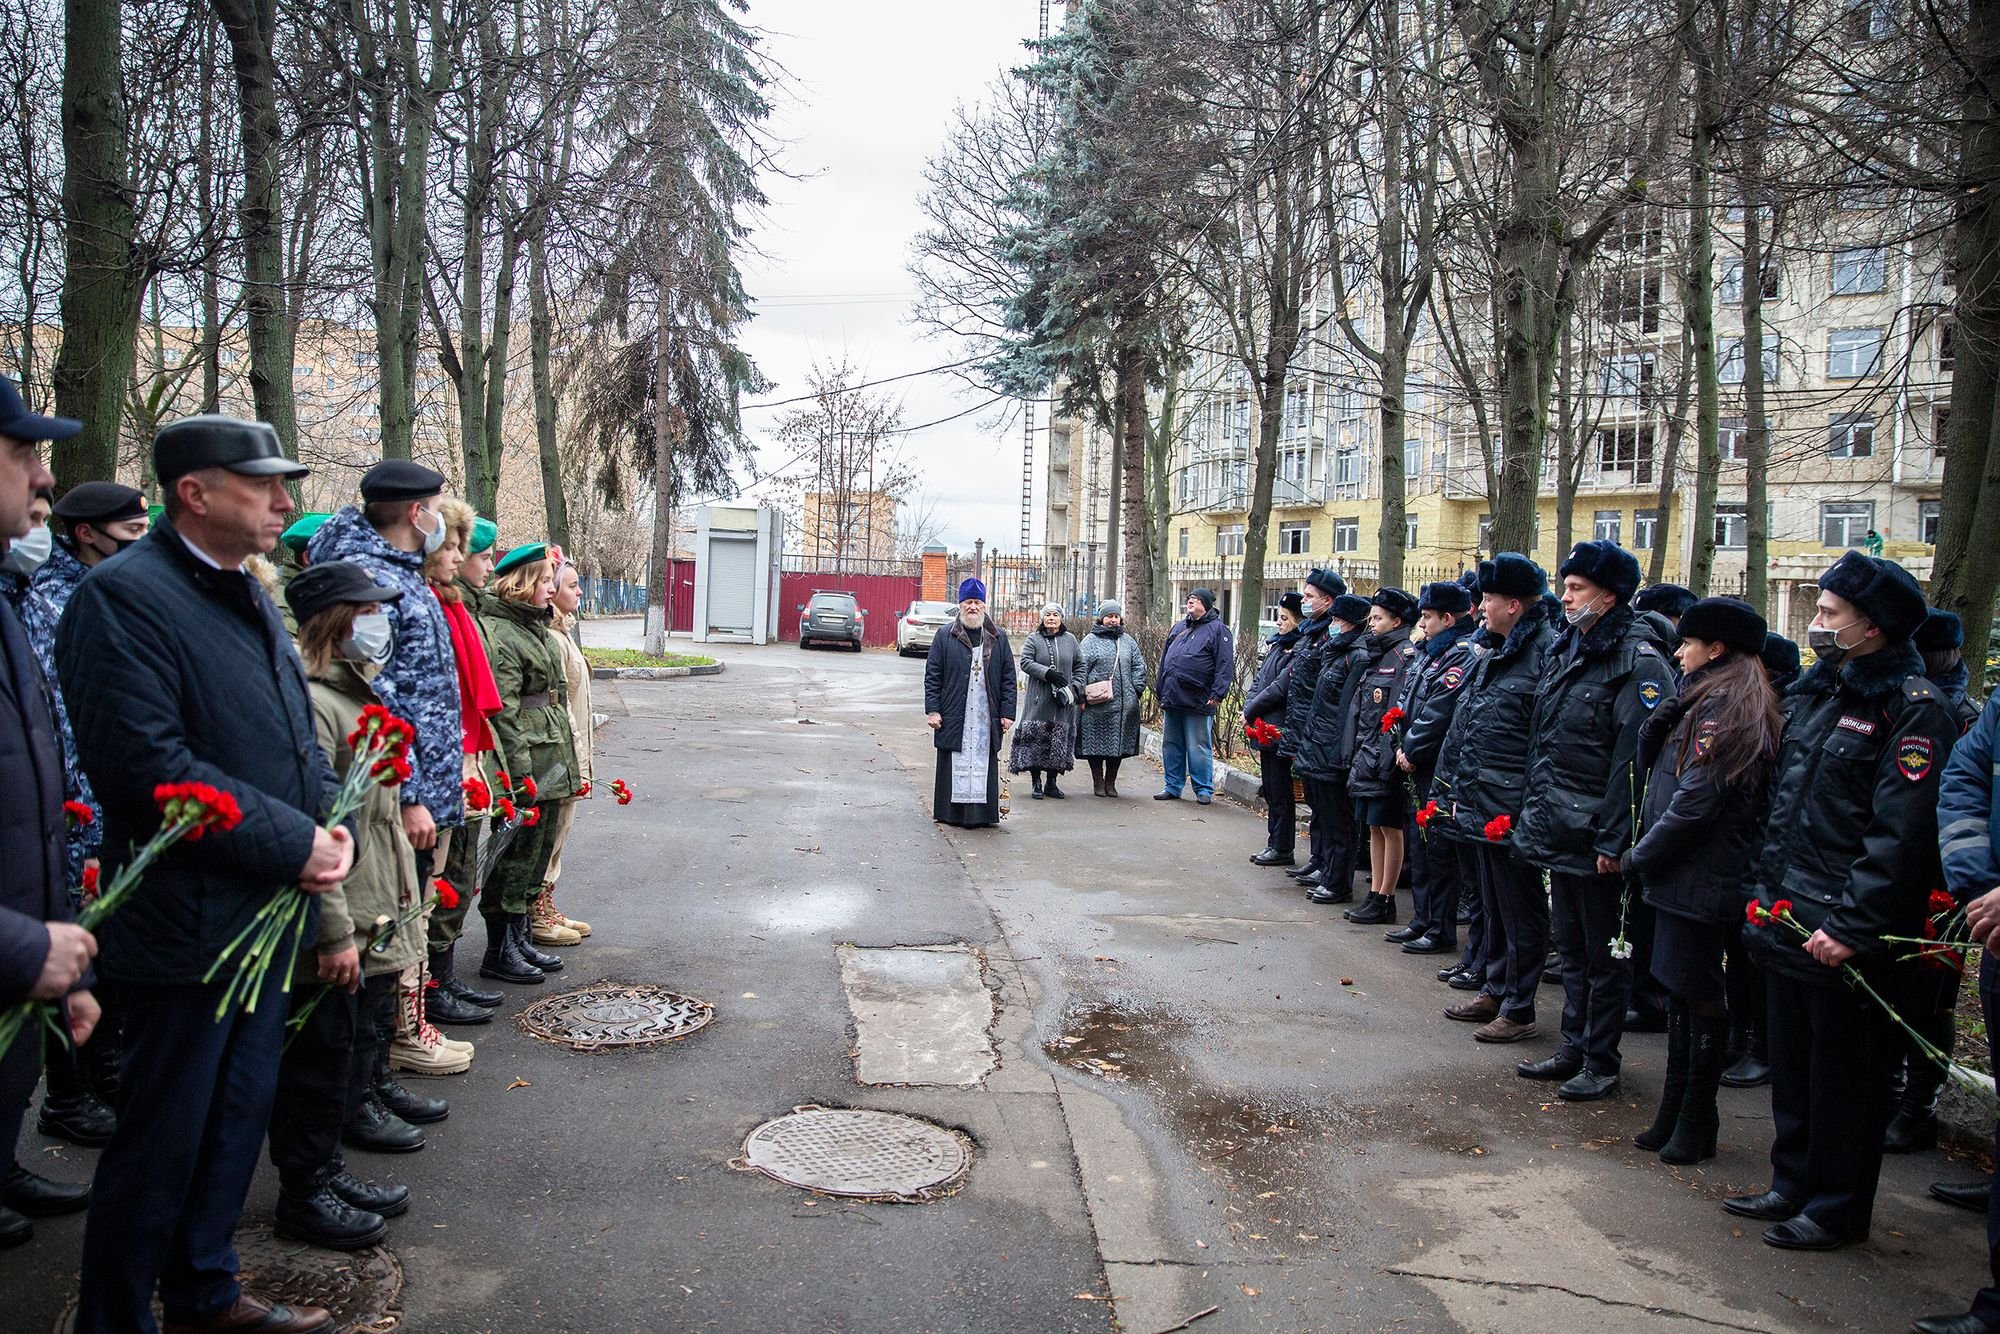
434 537
371 639
29 553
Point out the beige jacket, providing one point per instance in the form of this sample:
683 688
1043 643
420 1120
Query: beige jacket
577 673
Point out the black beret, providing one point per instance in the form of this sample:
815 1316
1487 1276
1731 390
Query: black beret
1451 599
1396 602
101 502
1941 630
1350 607
330 583
1327 582
1511 575
1881 590
1780 656
1293 603
1731 622
400 479
1670 600
213 441
1606 564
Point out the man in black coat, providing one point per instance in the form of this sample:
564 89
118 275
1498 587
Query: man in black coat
1606 674
1447 656
1308 660
177 668
1274 769
43 954
1851 844
1325 747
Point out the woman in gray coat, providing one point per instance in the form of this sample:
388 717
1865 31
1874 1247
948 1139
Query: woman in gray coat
1045 738
1110 729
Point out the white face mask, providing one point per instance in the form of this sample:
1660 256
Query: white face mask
433 538
1583 617
29 553
371 639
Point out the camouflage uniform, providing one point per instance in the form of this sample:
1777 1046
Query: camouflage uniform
419 683
534 728
47 594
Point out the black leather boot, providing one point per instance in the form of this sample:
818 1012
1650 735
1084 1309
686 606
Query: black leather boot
38 1197
1036 775
525 943
388 1201
1694 1134
314 1213
444 1008
1753 1068
1310 871
378 1130
71 1111
1914 1127
1673 1087
1376 909
504 961
1054 793
444 967
415 1108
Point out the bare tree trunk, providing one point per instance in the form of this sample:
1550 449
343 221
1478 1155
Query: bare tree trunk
661 567
495 441
206 174
1568 445
1757 435
540 333
1698 288
1142 541
1670 458
100 291
1159 445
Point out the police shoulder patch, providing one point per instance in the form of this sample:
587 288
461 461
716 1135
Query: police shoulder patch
1914 757
1704 736
1452 677
1650 693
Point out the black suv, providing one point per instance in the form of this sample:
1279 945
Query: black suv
834 617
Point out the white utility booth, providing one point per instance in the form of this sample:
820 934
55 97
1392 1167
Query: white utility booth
736 574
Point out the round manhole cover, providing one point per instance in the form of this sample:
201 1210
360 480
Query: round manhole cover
609 1015
861 1154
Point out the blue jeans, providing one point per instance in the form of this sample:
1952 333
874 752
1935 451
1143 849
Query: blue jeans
1187 751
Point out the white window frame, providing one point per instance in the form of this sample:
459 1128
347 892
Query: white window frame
1928 514
1229 539
1853 352
1846 513
1645 529
1607 526
1850 436
1860 271
1346 536
1299 529
1732 527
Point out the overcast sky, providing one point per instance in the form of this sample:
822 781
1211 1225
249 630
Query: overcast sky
872 84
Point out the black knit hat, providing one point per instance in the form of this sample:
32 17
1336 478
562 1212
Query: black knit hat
1396 602
1940 631
1451 599
1606 564
1205 596
1511 575
1881 590
1352 608
1670 600
1731 622
1292 603
1780 656
1327 582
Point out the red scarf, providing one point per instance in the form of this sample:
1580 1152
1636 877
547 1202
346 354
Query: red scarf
478 696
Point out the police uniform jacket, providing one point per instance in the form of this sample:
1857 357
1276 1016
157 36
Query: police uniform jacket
1268 691
1325 740
1308 657
1697 832
1431 692
1583 774
1482 764
1852 833
1389 660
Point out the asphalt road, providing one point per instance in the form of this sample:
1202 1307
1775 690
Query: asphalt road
1210 1098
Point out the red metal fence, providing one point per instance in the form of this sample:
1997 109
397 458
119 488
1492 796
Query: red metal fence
883 597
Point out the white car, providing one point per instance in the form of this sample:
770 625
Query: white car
915 627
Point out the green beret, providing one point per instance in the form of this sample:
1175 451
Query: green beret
485 533
302 530
522 555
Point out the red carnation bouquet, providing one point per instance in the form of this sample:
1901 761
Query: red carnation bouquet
1392 720
1499 827
1425 815
381 742
622 792
1260 732
187 810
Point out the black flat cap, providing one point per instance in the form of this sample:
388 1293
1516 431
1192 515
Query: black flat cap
1780 656
331 583
1396 602
101 502
211 441
1731 622
1452 599
1327 582
400 479
1294 604
1352 608
1941 630
1670 600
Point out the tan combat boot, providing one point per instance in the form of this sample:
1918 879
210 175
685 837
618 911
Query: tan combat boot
418 1047
549 894
546 925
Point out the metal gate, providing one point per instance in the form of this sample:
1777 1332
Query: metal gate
732 583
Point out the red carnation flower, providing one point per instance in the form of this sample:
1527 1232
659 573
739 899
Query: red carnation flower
90 881
583 789
531 817
1391 721
1499 827
506 809
1781 908
446 895
528 786
197 805
477 795
1427 814
622 792
78 814
1753 913
1942 904
500 777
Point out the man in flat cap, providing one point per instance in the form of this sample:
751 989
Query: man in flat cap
177 669
44 955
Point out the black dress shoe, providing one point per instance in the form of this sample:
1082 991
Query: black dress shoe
1802 1234
1465 981
14 1229
1748 1073
1055 793
1911 1131
388 1201
1587 1086
444 1008
79 1118
376 1129
486 1000
1971 1196
1967 1323
1771 1207
1375 909
1166 796
1645 1021
1321 894
39 1197
1564 1065
1403 934
1271 857
416 1108
323 1218
1310 871
1429 944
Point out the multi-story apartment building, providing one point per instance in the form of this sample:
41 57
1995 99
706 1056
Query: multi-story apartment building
1076 515
855 525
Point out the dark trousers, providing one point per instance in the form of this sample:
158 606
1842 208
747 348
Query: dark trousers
1931 1008
1986 1305
1332 830
314 1081
1744 981
195 1100
1281 813
1517 929
20 1067
374 1032
1649 993
1465 858
1433 877
1831 1047
461 868
1583 916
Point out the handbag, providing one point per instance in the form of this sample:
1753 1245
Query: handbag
1097 692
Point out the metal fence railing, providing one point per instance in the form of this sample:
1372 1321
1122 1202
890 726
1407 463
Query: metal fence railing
612 597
